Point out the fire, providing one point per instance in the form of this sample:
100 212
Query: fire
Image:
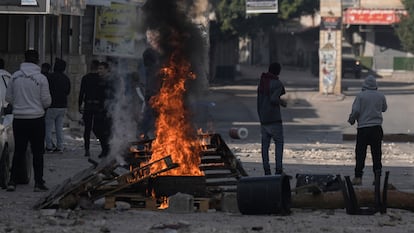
164 203
174 134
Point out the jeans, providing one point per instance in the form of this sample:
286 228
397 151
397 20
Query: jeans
371 136
54 118
272 131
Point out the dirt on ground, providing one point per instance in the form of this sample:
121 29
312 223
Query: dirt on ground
17 213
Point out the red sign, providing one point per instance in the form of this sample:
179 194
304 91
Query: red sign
372 16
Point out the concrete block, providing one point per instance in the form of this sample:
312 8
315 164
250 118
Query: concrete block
229 202
181 203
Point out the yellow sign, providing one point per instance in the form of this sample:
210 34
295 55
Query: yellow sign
115 30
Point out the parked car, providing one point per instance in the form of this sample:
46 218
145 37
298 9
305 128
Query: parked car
7 146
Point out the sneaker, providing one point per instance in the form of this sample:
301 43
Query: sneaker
49 150
11 187
40 188
103 154
357 181
279 171
60 151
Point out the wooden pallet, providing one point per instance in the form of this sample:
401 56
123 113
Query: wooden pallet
136 201
148 203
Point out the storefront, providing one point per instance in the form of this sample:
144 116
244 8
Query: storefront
51 27
371 33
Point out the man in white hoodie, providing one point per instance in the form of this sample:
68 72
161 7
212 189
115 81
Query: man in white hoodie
29 94
367 110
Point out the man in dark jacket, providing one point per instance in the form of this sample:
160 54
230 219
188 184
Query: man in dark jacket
59 85
90 101
269 91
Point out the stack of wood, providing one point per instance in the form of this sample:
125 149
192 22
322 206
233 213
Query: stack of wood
110 179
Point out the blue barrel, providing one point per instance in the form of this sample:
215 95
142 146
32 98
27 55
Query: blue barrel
264 195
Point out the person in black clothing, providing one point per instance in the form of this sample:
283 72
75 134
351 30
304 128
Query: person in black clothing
152 58
90 103
59 85
45 69
103 122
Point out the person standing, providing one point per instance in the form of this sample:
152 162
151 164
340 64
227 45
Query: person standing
90 103
29 94
269 91
45 69
59 85
152 59
367 110
4 82
103 123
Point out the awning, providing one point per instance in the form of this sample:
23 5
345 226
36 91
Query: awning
363 16
108 2
43 7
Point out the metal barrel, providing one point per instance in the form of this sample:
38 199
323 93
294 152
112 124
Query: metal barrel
264 195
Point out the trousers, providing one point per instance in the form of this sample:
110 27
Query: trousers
29 131
272 131
54 119
368 136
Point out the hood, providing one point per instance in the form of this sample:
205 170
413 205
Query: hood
29 68
60 65
370 83
265 82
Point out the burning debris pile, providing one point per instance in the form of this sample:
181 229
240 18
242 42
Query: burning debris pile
179 158
147 179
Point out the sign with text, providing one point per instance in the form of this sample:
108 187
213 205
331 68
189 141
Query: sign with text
261 6
331 23
372 16
115 31
64 7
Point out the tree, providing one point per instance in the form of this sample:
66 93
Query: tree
405 29
231 19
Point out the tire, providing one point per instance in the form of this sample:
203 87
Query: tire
5 167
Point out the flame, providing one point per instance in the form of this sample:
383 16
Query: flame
164 203
174 134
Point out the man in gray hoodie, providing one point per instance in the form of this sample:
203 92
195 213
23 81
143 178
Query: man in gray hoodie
29 94
367 110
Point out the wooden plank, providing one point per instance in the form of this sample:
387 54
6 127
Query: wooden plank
202 204
136 201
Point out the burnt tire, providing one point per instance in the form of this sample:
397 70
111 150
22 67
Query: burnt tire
5 167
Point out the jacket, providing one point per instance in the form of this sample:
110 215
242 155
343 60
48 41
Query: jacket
28 92
92 93
368 105
269 91
59 85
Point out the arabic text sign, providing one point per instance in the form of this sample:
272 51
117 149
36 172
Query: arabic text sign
261 6
372 16
115 32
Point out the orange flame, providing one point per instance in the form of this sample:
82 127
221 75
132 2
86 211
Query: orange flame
164 203
174 134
